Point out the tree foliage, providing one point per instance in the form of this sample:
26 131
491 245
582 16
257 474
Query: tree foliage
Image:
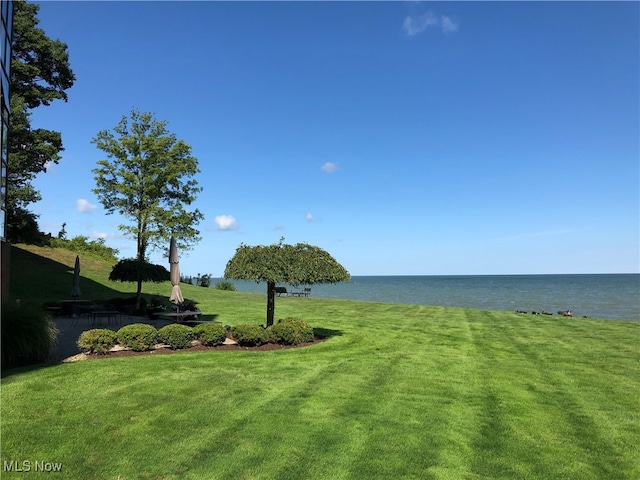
132 270
40 74
23 228
281 263
148 179
81 243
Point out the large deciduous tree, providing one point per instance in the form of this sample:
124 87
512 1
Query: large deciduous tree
40 74
299 264
148 179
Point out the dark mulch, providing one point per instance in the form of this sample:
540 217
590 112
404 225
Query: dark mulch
200 348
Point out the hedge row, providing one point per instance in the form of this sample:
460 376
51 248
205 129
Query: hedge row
290 331
141 337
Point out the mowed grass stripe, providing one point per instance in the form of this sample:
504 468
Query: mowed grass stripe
544 400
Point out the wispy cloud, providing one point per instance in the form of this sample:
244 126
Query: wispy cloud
329 167
226 222
416 24
96 234
448 25
85 206
310 217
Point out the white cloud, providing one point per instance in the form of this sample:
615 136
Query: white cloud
416 24
96 234
448 25
84 206
310 217
329 167
226 222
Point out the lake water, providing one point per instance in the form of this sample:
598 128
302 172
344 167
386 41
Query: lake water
615 296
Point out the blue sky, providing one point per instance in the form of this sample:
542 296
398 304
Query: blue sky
404 138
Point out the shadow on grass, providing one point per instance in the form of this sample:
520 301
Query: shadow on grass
24 369
38 279
201 320
322 332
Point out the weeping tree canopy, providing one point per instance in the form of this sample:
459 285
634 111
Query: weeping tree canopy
132 270
280 263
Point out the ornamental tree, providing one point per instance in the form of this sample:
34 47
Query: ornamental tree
131 270
280 263
148 179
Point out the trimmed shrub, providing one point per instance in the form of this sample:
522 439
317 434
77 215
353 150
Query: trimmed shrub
97 340
138 337
225 285
249 335
176 336
28 335
291 331
210 334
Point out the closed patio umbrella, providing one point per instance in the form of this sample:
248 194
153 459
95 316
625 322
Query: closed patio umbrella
174 271
75 291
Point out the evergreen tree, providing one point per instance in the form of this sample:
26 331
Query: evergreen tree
40 74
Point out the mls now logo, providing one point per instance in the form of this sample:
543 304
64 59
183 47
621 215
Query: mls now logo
28 466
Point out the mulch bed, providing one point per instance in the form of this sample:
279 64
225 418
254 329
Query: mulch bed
196 348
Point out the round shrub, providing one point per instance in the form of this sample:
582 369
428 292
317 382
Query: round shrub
176 336
28 335
249 335
291 331
97 340
225 285
138 337
210 334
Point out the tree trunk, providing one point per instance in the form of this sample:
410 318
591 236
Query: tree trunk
139 294
271 302
140 256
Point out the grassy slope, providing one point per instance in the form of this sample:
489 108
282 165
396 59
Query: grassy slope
398 391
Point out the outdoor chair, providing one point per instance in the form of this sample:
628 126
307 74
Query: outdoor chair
304 293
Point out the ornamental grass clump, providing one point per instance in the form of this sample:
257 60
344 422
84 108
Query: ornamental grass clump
250 335
139 337
176 336
225 285
28 335
210 334
291 331
97 340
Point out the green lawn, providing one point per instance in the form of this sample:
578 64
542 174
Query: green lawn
397 391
